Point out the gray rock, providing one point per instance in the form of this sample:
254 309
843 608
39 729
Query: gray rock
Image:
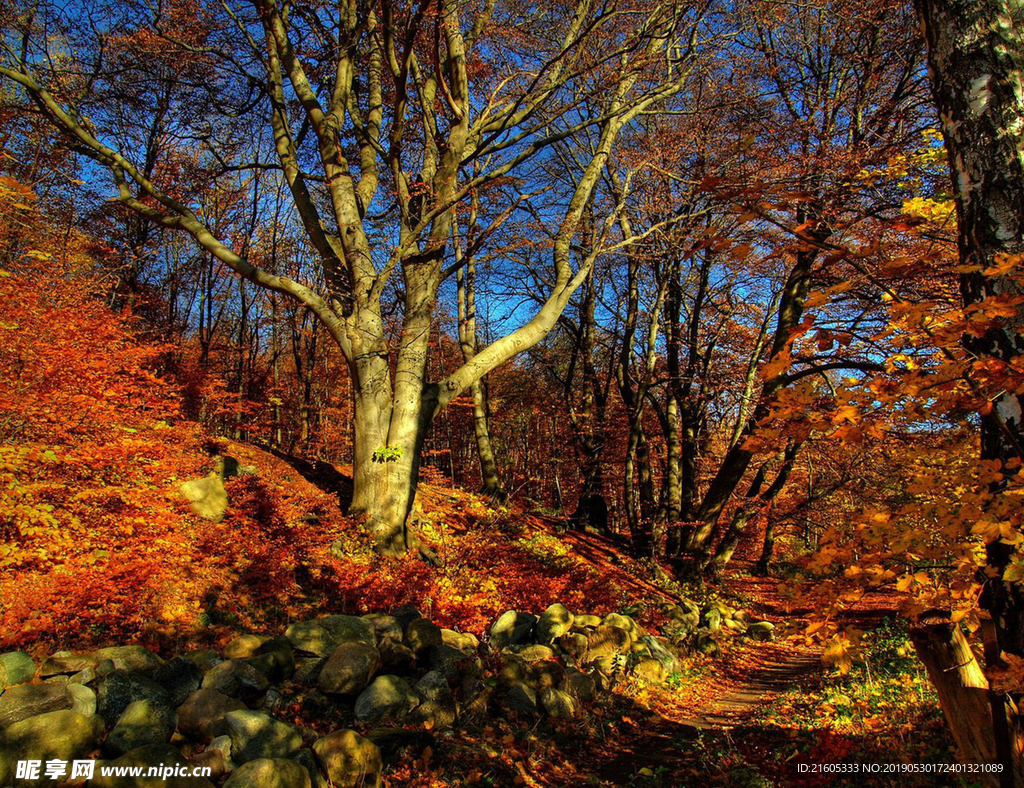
574 645
395 656
207 497
511 628
269 773
201 716
237 679
84 699
55 735
624 622
558 703
307 669
204 658
712 619
307 759
255 734
349 669
650 670
28 700
65 663
120 688
385 626
133 658
521 699
536 653
463 641
761 630
349 760
608 640
438 709
161 756
422 635
180 677
275 659
87 676
16 667
587 621
321 636
581 685
142 723
217 757
244 646
387 696
553 623
454 663
547 674
660 651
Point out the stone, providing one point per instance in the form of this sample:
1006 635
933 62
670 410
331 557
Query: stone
463 641
660 650
580 685
547 674
244 646
608 640
204 658
521 699
623 622
28 700
269 773
686 613
511 628
422 635
712 619
237 679
438 709
277 663
385 626
180 677
132 658
121 687
307 670
536 653
201 716
142 723
349 669
349 760
553 623
159 756
453 663
255 734
763 631
83 699
574 645
387 696
395 656
55 735
16 667
515 671
65 663
207 497
87 676
587 621
321 636
650 670
735 625
706 643
557 703
307 758
214 760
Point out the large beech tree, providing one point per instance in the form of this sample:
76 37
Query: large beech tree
384 120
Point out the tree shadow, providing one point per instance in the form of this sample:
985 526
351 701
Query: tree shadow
322 475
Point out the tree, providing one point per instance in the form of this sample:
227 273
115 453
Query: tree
384 119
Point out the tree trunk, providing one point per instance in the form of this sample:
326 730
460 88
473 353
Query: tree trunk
962 688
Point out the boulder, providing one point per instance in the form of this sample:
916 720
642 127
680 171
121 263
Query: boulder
511 628
349 669
54 735
557 703
237 679
132 658
608 640
161 756
201 716
547 674
463 641
255 734
660 650
307 758
580 685
536 653
553 623
207 497
349 760
269 773
27 700
587 621
16 667
574 645
760 630
83 699
395 656
650 670
385 626
438 709
454 663
712 619
521 699
321 636
307 669
422 635
274 659
180 677
121 687
65 663
623 622
244 646
515 671
204 658
387 696
142 723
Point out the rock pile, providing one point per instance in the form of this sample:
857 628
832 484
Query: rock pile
380 673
